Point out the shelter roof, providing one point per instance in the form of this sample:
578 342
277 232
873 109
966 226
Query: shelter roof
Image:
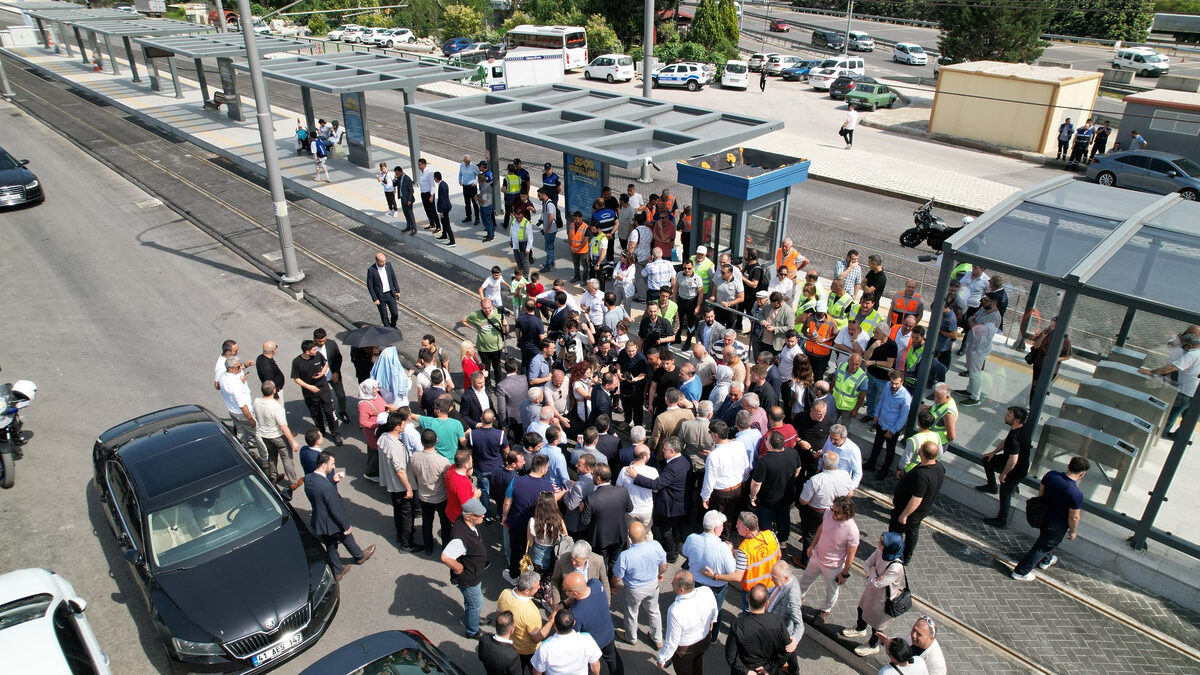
220 44
346 72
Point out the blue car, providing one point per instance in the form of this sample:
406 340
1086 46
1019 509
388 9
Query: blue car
391 652
1149 171
800 70
455 45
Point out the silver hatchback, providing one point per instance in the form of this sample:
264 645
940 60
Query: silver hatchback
1149 171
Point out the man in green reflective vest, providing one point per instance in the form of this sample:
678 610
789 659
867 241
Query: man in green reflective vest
850 387
512 188
597 252
945 413
840 304
911 360
522 241
867 315
704 267
911 456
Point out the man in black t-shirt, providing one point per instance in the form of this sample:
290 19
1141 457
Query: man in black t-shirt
812 429
1010 459
308 371
914 497
773 486
665 377
879 359
530 333
875 280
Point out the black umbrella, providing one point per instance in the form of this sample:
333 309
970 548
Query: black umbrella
372 336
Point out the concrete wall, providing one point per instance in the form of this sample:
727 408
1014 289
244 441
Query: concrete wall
1138 116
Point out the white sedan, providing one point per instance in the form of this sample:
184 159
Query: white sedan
337 33
821 79
42 627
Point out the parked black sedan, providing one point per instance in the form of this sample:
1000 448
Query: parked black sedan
232 577
845 84
18 185
390 652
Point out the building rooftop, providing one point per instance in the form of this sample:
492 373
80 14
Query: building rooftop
1166 98
1022 71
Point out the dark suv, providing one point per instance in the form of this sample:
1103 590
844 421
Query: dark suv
231 575
829 39
846 83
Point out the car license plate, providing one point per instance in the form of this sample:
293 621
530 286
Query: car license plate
277 649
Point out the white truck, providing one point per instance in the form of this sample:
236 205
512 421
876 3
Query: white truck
523 67
151 7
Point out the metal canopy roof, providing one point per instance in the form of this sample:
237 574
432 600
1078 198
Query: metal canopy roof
615 129
43 4
1130 248
124 28
358 71
79 13
219 44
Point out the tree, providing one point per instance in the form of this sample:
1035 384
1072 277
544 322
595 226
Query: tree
602 39
1107 19
728 22
316 24
994 30
518 18
706 28
461 21
625 16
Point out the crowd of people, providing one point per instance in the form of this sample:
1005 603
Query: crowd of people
605 453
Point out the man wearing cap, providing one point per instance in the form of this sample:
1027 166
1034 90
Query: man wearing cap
704 267
483 198
468 176
819 333
523 174
1187 364
550 182
466 557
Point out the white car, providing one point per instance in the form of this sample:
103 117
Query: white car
822 78
610 67
340 32
736 75
354 34
1145 61
690 75
759 60
860 41
907 52
393 37
368 35
42 626
777 63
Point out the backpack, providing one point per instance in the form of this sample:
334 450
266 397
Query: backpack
321 151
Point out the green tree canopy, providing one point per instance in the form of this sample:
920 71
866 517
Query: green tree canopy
993 30
602 39
1108 19
461 21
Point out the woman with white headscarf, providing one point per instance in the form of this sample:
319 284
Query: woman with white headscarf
720 390
370 405
392 377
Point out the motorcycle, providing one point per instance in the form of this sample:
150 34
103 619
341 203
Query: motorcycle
13 397
929 228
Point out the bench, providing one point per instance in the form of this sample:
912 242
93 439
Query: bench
217 101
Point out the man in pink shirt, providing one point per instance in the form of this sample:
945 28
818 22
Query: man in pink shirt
460 489
832 553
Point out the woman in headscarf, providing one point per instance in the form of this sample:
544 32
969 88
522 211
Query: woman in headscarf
392 377
885 580
720 390
370 404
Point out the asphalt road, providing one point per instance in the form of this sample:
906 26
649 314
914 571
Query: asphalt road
118 306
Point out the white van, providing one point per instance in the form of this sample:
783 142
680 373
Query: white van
1144 61
854 64
736 75
860 41
907 52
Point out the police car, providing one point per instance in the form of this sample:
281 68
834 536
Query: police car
690 75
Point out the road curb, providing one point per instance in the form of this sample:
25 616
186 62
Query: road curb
896 194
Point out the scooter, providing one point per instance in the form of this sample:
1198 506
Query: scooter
929 228
13 397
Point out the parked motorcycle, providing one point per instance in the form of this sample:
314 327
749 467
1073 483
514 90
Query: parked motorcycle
929 228
13 397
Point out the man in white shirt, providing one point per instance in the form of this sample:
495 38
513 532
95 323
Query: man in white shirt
425 184
237 399
490 289
850 340
925 646
273 430
1186 363
642 498
635 200
848 126
787 355
567 652
725 470
592 303
689 623
849 456
228 348
659 274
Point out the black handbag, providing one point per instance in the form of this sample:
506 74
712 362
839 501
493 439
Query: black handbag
1035 511
899 605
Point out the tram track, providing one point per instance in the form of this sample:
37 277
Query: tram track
179 177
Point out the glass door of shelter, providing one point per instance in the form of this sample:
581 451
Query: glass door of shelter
716 229
762 231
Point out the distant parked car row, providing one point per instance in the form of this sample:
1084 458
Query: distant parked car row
388 37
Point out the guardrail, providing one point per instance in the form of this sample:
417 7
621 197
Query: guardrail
879 42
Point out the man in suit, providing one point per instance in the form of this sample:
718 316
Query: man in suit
603 516
329 520
709 330
511 394
407 197
670 507
475 400
666 425
329 349
496 652
381 284
602 393
443 208
579 559
786 601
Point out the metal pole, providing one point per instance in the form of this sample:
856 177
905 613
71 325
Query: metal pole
1042 387
1030 301
647 46
221 26
1126 326
935 321
849 14
6 90
1159 495
266 133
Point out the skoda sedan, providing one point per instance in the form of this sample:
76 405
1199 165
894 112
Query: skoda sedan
232 578
1149 171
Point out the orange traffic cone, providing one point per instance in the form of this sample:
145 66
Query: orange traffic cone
96 65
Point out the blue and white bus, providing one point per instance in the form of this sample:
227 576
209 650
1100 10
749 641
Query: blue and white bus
571 40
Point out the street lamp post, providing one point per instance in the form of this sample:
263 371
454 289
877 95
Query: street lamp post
849 14
647 55
266 133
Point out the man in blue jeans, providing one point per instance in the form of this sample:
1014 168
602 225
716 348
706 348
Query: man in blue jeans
466 556
1064 504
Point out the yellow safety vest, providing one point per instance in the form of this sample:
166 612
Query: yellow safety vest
939 411
762 552
704 271
868 322
806 306
599 243
522 231
839 309
915 442
846 387
512 184
669 311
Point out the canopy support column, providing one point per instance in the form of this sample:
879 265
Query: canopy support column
62 37
414 139
79 41
111 59
935 319
1042 386
1029 306
310 118
129 54
1158 495
492 143
152 66
1126 326
202 79
175 77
